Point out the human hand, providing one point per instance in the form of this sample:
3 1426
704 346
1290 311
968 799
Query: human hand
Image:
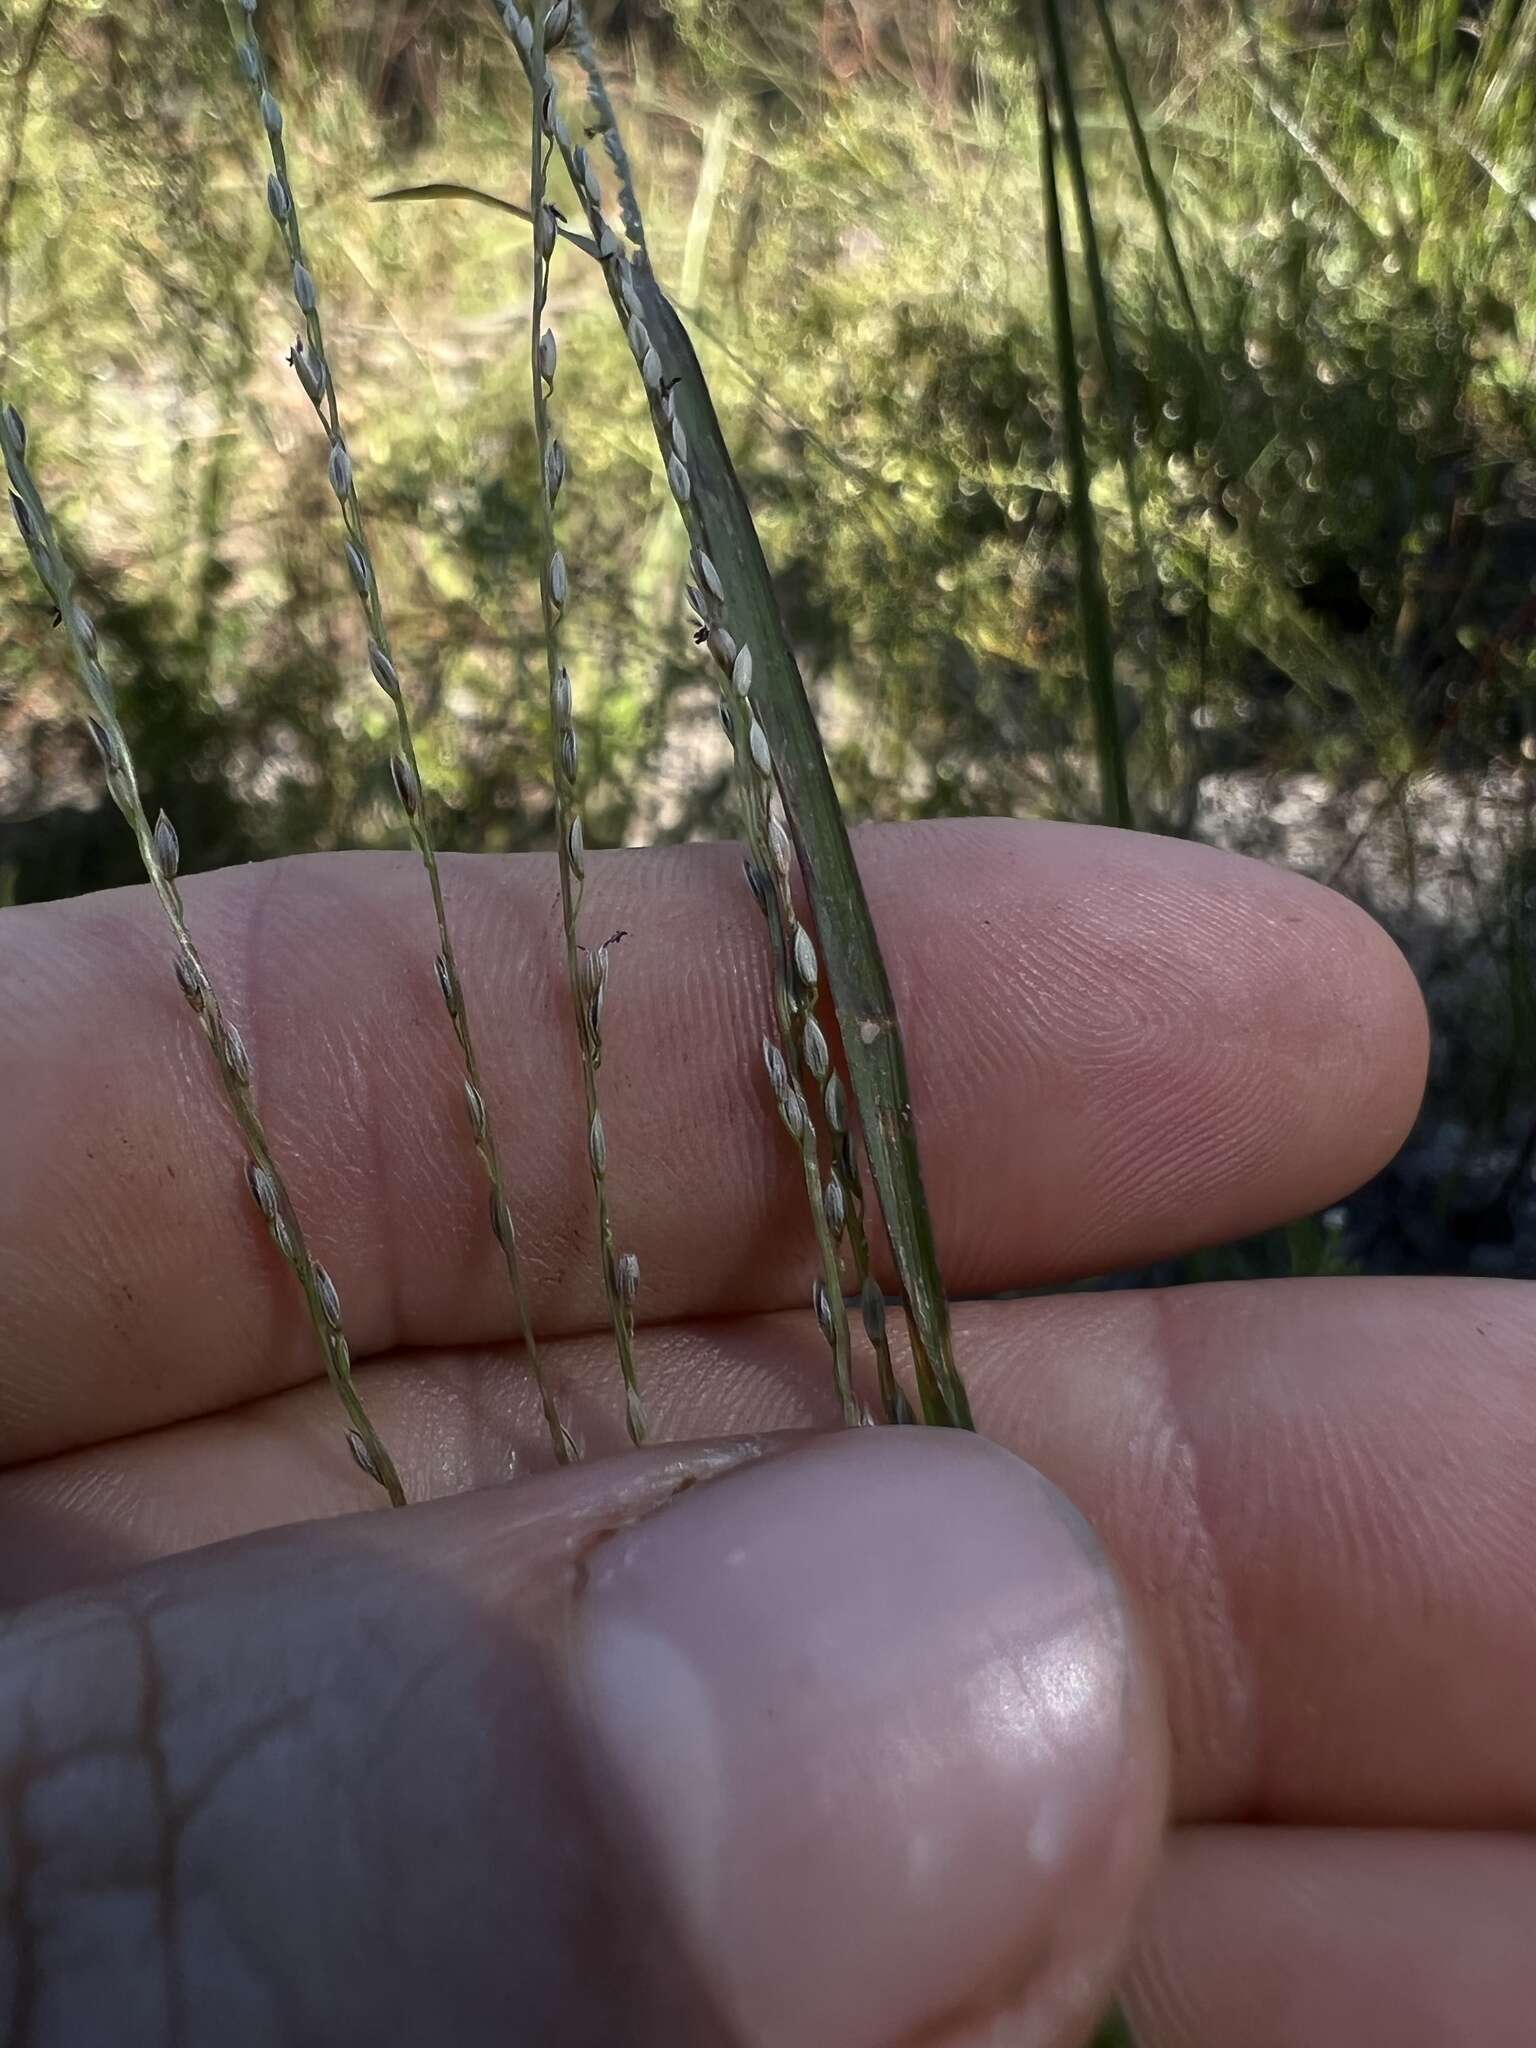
850 1742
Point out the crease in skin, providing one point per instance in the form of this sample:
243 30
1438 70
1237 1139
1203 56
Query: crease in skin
1216 1668
1297 1937
18 1856
1024 1666
74 1764
167 1872
1430 1378
116 1741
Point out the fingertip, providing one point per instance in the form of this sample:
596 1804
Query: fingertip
1352 1020
892 1739
1198 1045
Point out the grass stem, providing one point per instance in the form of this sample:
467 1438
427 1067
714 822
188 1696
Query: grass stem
160 852
312 366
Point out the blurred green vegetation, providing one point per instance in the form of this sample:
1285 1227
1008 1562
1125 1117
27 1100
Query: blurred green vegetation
1332 447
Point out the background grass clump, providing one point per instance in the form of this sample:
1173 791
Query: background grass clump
1322 639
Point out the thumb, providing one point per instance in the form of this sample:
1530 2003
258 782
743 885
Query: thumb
758 1745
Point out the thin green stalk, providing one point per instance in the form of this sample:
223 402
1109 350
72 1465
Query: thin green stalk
1152 184
160 852
441 188
680 401
1058 70
795 966
706 200
1059 78
1093 604
313 369
586 972
605 122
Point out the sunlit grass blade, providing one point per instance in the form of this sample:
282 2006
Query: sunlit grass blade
586 967
860 986
1058 72
446 189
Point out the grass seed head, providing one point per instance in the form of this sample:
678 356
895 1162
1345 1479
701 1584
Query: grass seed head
779 848
339 469
263 1188
362 1457
723 648
385 673
813 1044
447 983
233 1053
474 1103
407 784
325 1289
193 986
167 847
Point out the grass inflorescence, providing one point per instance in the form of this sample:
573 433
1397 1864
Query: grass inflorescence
586 967
815 1114
312 366
160 851
794 964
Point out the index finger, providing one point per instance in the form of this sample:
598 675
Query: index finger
1120 1047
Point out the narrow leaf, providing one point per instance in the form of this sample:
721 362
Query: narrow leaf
861 989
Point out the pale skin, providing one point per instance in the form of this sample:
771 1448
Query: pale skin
340 1783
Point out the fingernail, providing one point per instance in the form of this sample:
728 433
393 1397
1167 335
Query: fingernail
884 1733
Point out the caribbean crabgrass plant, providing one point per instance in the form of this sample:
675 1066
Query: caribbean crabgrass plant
786 801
